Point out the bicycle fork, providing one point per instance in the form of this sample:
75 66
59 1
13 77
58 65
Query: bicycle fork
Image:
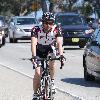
46 89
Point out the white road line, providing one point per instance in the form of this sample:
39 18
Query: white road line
60 90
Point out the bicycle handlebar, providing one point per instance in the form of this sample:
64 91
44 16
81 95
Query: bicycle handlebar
49 58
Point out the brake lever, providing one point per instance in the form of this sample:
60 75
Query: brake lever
62 63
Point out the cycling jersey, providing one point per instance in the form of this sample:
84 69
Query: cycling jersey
46 41
46 38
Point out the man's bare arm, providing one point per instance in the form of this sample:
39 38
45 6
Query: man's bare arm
33 46
59 45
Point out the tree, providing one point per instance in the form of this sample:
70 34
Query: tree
14 6
88 9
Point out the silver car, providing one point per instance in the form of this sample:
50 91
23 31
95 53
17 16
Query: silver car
20 28
2 33
91 57
4 25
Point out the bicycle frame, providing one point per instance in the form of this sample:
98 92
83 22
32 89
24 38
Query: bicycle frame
45 90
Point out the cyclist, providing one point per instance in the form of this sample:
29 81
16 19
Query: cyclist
91 28
44 40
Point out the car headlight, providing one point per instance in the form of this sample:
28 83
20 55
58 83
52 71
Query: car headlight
18 29
3 32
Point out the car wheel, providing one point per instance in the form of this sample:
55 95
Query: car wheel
10 40
3 41
0 45
87 76
84 62
14 40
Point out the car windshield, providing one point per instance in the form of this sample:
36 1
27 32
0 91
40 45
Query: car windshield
25 21
69 20
1 23
1 18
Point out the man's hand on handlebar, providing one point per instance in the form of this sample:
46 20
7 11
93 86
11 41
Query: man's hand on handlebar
34 60
62 59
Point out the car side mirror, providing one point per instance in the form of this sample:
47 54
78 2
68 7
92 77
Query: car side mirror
12 23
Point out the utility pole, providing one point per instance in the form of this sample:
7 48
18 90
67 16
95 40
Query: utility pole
44 6
51 5
36 9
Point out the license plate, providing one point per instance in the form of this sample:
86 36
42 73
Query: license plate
75 39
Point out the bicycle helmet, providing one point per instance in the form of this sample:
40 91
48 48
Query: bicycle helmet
48 17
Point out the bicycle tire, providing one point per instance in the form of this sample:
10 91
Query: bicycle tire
50 95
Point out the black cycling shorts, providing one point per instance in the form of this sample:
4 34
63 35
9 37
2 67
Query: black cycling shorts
42 52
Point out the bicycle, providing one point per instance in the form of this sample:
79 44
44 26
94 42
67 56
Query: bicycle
45 89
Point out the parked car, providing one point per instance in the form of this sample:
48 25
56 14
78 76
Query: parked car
73 28
4 25
2 34
20 28
91 57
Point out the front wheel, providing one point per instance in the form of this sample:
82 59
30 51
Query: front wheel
87 76
45 90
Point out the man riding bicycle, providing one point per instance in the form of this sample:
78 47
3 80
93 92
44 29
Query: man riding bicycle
44 40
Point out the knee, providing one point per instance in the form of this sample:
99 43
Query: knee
52 67
37 74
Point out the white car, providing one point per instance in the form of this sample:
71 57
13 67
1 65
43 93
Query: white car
20 28
2 33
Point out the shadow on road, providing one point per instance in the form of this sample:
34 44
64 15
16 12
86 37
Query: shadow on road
82 82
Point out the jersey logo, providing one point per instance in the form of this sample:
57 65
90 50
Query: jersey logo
41 37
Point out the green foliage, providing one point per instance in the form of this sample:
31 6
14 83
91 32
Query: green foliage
17 6
14 6
87 10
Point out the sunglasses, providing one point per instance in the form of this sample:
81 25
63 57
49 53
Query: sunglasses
49 22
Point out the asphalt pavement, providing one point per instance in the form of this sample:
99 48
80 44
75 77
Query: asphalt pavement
16 86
